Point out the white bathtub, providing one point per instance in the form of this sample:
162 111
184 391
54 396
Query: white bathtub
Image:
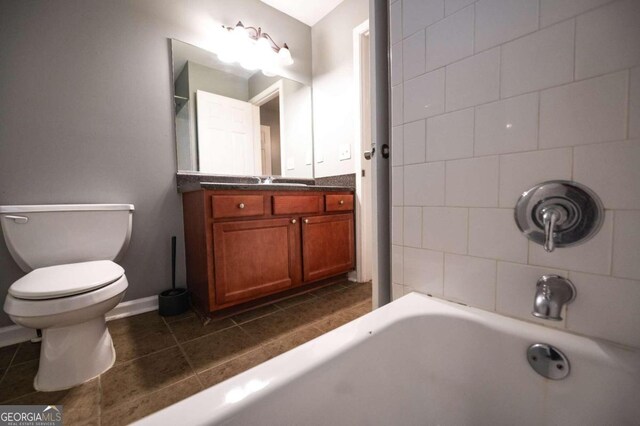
422 361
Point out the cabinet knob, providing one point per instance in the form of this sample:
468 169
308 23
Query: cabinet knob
293 221
341 202
306 221
241 206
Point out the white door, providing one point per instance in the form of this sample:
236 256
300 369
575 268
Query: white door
228 135
265 149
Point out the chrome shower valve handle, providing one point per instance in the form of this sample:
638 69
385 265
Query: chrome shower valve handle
559 214
550 217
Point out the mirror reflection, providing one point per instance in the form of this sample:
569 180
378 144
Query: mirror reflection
232 121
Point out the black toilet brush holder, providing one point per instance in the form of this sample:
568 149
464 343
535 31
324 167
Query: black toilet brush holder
175 300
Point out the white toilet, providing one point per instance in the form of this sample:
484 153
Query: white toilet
68 251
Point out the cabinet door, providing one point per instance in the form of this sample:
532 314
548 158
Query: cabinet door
254 258
328 246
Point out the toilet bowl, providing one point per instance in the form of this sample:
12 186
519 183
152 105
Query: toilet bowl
72 282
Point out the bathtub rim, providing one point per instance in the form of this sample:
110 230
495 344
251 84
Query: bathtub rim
210 405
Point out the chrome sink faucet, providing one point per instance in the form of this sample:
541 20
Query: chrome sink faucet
553 292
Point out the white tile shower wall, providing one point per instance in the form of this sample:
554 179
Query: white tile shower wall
535 90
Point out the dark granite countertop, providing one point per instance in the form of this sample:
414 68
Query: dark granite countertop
264 187
193 181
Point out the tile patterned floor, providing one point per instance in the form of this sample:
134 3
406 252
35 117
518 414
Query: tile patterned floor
161 361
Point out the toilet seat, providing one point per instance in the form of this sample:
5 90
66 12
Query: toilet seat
61 281
49 307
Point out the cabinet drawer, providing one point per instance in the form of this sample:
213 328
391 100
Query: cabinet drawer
339 203
297 204
237 205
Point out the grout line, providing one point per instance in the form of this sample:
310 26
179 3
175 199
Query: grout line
613 230
186 357
100 399
575 42
540 90
627 133
539 14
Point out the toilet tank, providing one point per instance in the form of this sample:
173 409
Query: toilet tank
55 234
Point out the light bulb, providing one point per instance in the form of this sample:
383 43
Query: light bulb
284 55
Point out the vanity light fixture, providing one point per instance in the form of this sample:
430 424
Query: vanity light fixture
253 49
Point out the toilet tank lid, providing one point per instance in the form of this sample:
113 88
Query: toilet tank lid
64 208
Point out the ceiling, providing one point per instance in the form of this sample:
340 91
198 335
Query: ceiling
309 12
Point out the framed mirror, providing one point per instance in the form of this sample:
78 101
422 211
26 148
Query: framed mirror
234 121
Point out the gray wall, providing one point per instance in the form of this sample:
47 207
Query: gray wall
333 86
216 81
86 111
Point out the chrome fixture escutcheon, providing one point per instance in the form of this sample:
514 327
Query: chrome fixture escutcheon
548 361
559 213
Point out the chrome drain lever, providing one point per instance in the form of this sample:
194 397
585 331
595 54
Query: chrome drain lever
548 361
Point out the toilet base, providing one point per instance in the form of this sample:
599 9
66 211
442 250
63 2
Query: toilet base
74 354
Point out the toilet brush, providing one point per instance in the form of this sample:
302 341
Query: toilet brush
176 300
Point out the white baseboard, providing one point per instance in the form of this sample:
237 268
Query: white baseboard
133 307
13 334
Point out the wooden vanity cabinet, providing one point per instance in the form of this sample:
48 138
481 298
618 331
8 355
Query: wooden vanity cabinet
244 245
255 257
328 245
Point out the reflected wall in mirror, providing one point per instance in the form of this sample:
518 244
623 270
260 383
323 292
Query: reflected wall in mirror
234 121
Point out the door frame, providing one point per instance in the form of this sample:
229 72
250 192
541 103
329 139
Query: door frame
364 235
276 89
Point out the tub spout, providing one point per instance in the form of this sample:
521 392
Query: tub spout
552 293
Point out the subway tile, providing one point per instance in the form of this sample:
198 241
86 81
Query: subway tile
412 227
605 307
450 39
472 182
498 21
395 22
634 103
424 96
516 289
424 184
397 186
452 6
593 256
413 61
396 64
397 105
538 61
397 291
521 172
445 229
552 11
612 170
626 244
396 225
450 136
415 142
397 146
419 14
474 80
493 234
507 126
423 270
470 280
397 261
585 112
608 39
